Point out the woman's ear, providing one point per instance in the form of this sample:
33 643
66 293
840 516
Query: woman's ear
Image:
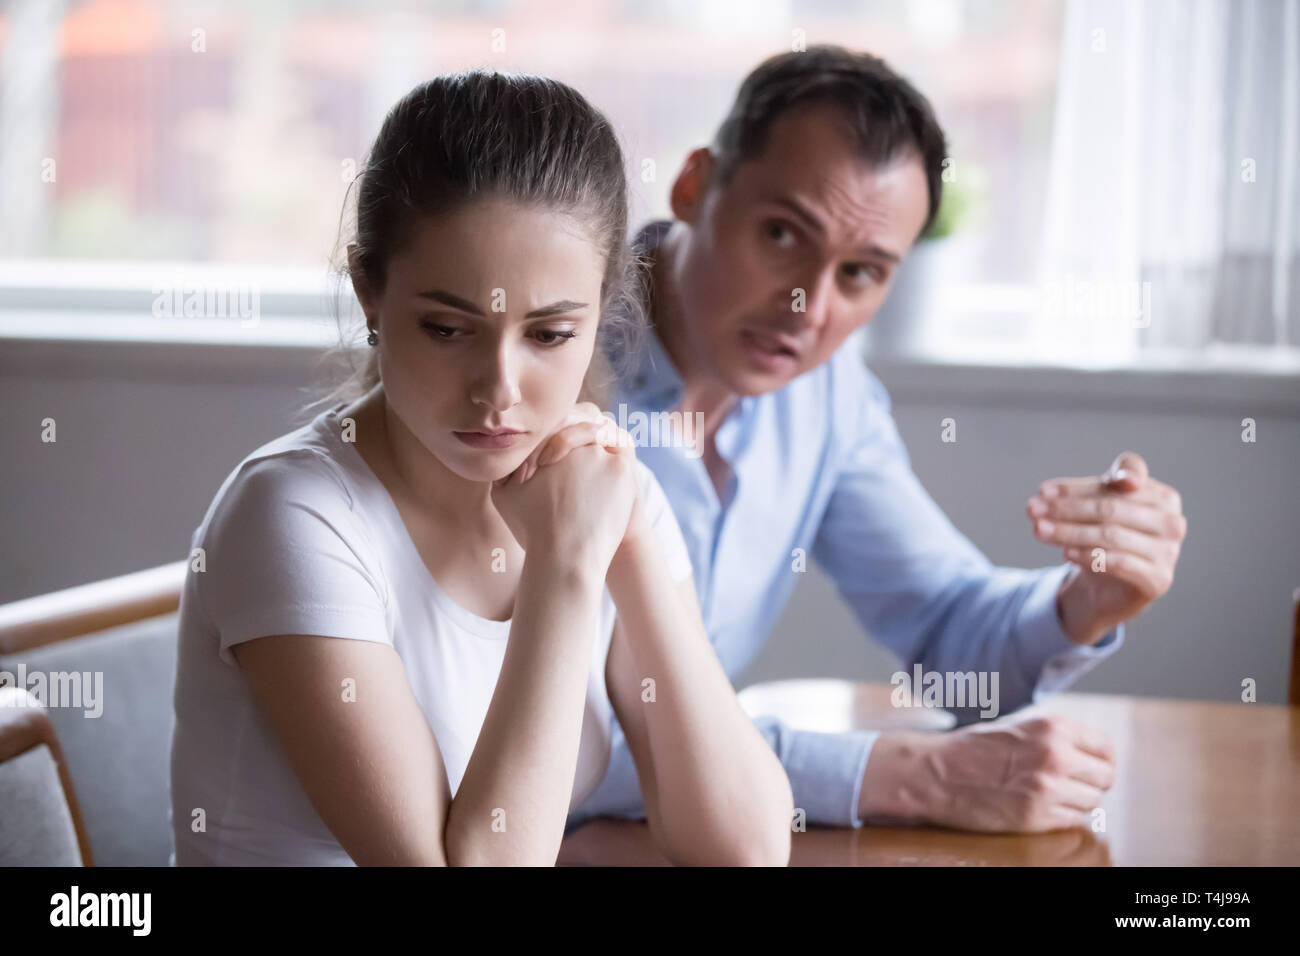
361 286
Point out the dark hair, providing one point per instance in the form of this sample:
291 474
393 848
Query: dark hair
465 136
885 114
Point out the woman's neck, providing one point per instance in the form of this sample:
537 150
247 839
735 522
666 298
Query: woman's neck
451 522
422 481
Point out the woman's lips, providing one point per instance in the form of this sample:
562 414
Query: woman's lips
490 440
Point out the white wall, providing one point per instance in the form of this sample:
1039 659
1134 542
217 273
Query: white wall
147 432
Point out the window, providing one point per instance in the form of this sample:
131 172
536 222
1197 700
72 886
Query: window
148 146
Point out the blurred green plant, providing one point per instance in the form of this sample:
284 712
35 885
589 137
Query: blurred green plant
100 223
956 204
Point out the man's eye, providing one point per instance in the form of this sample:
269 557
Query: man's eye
866 275
553 336
781 234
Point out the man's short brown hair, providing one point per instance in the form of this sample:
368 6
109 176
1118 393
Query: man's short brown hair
884 113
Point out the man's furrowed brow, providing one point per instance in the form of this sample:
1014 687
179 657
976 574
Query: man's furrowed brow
879 252
801 212
464 305
809 218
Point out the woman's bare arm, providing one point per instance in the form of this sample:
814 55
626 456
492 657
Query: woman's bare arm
715 793
523 766
371 765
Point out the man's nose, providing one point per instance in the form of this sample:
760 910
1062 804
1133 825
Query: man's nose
812 309
496 380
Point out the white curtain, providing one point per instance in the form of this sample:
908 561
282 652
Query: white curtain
1173 211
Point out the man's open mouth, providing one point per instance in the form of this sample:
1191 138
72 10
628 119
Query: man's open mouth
769 344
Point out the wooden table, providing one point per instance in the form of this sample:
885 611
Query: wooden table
1198 784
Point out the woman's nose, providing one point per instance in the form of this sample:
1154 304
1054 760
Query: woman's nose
496 382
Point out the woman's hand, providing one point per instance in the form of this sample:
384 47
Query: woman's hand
585 425
574 495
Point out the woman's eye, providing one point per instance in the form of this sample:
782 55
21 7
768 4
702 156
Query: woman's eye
440 332
553 336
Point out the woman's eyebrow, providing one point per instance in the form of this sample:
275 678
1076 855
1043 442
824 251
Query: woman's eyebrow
556 308
464 305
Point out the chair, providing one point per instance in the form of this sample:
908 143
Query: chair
79 789
36 789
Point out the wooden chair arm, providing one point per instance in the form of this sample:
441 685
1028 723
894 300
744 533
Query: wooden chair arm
25 725
86 608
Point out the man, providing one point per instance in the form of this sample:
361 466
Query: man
787 233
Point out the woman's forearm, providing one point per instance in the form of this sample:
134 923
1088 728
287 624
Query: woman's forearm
723 795
513 801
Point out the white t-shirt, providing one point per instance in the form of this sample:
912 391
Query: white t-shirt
303 538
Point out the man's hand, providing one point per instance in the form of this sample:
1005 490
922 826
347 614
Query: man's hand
1010 776
1122 530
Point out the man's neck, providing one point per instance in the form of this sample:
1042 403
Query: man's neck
700 392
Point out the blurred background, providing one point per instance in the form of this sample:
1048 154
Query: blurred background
1116 266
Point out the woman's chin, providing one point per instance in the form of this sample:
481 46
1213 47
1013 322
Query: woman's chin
486 466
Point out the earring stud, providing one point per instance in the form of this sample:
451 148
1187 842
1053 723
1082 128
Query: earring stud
373 338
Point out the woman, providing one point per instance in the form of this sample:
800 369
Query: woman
410 621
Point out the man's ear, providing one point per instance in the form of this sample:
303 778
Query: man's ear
687 194
361 285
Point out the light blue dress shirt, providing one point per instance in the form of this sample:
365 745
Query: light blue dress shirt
819 465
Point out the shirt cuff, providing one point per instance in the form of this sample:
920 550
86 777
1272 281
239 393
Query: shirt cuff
825 772
1052 661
